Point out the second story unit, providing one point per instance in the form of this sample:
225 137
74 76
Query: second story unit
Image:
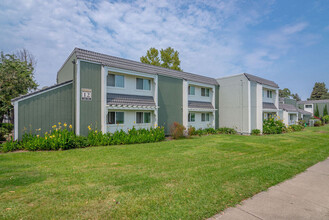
246 100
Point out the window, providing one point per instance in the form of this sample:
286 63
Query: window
308 106
115 118
143 84
205 92
116 80
269 94
205 117
191 90
143 117
191 117
291 116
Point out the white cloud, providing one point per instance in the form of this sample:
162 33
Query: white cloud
208 34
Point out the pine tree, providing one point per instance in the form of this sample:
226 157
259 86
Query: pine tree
319 91
316 113
325 110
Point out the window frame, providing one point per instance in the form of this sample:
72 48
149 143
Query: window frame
115 80
144 118
205 92
144 84
189 90
269 94
308 106
190 117
115 118
205 117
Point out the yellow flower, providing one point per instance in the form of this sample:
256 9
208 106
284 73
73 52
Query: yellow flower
46 138
134 122
65 124
54 126
70 126
96 131
89 128
59 123
38 136
46 132
39 129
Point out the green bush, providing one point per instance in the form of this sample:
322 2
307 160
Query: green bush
5 129
191 131
296 127
317 123
177 130
63 138
226 130
273 126
326 119
255 132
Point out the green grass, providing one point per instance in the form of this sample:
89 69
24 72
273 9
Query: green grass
187 179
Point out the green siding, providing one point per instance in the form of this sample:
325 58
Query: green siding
90 111
67 72
290 101
45 110
321 107
170 101
216 107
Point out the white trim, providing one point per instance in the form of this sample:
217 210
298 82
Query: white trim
201 110
103 98
41 92
156 100
15 121
130 107
249 107
77 107
185 103
211 86
129 72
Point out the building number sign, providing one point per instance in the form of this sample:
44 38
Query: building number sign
86 94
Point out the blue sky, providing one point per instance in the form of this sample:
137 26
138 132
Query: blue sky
285 41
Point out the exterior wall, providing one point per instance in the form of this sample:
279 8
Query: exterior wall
130 84
234 103
201 124
45 110
197 96
321 107
90 111
286 118
259 107
253 102
67 71
170 101
130 121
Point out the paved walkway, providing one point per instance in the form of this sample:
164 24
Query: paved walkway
306 196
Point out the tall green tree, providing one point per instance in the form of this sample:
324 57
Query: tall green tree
296 96
320 91
169 58
325 110
284 93
317 113
16 78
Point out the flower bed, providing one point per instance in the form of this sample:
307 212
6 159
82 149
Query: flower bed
63 138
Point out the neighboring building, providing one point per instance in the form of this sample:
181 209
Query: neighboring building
290 113
310 106
245 101
112 93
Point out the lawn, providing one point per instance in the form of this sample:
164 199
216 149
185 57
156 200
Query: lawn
188 179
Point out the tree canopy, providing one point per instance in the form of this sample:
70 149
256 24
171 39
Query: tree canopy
286 93
16 78
169 58
319 92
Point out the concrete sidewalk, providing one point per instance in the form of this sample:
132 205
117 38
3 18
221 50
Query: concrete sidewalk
306 196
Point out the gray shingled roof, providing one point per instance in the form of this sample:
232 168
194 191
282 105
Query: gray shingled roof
314 101
41 90
268 105
133 100
304 112
261 80
117 62
202 105
288 107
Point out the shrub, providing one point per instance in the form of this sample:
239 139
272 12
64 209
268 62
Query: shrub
191 131
273 126
255 132
226 130
5 129
317 123
177 130
326 119
296 127
63 137
210 131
